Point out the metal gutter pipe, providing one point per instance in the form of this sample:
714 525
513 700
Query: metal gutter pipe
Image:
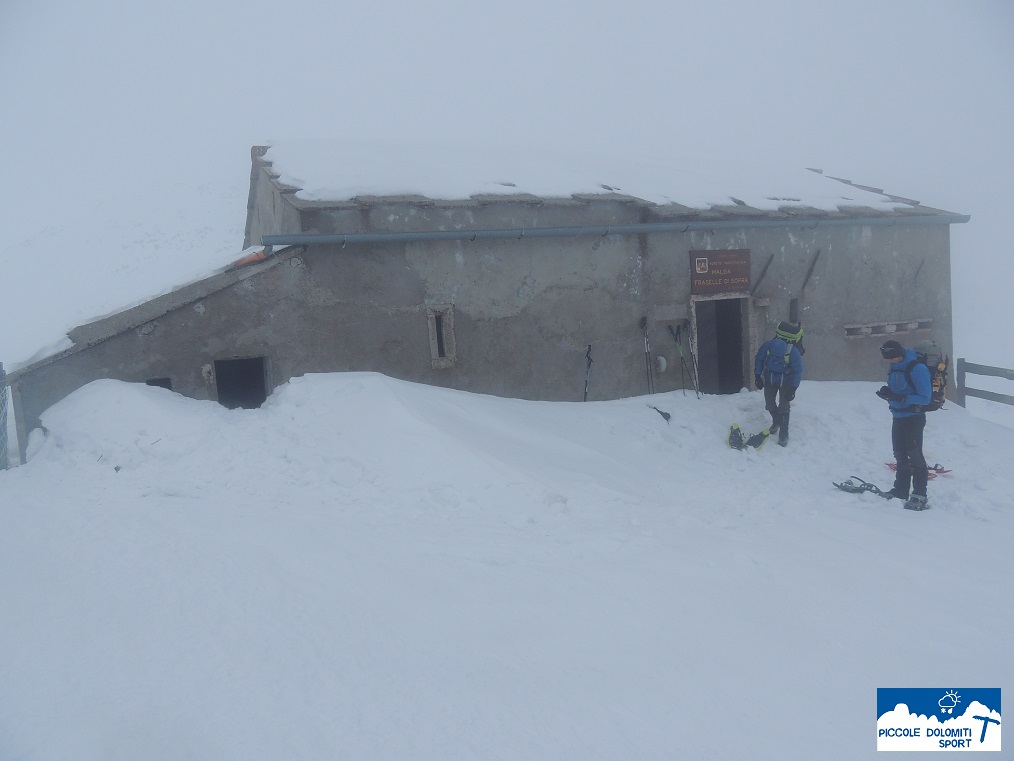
343 239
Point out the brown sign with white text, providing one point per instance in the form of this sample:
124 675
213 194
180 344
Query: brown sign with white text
720 271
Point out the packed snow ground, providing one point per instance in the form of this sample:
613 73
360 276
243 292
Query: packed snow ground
366 568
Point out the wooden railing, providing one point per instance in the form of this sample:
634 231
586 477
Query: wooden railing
962 391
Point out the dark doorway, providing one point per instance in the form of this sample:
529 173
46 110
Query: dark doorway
720 345
241 382
160 383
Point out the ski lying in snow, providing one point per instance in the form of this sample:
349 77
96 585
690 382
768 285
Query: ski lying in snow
856 485
934 470
739 440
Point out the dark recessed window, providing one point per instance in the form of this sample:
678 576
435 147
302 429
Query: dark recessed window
441 331
241 382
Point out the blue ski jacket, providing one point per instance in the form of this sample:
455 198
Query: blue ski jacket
770 363
917 393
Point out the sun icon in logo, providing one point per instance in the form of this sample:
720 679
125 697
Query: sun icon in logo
949 702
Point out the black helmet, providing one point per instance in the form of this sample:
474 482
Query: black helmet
892 350
789 332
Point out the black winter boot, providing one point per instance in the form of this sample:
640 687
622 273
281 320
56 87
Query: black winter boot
776 421
783 430
902 484
917 502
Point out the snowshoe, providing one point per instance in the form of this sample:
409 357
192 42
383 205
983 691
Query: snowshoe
855 485
739 440
736 438
934 470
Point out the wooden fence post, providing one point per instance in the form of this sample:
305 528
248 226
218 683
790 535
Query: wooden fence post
959 391
971 368
3 418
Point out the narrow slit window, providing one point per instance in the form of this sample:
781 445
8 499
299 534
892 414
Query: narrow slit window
441 348
441 333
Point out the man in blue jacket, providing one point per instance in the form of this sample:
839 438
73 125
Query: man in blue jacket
778 369
907 392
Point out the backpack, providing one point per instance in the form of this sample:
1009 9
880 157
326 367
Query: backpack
776 360
928 353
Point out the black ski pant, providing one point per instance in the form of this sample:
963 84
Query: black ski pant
906 438
776 404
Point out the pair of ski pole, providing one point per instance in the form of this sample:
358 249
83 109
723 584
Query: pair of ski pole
647 356
684 367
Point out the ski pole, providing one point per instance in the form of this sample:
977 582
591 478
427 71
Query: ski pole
683 360
693 357
587 371
647 356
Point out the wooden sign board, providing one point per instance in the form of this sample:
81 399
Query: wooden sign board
720 271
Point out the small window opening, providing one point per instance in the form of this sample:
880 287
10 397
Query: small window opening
867 329
441 332
165 383
241 382
441 348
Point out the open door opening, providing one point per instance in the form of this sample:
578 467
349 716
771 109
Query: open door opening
241 382
720 345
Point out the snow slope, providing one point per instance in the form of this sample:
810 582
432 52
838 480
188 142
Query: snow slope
366 568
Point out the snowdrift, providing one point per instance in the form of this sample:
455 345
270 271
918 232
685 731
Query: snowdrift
367 568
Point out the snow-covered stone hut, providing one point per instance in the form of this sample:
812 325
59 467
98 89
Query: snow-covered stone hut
496 275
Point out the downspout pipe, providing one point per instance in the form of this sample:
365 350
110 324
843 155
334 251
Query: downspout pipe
518 233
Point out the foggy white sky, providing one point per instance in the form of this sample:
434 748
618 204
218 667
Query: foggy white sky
114 98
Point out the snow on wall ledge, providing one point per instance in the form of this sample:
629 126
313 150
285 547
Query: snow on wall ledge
342 170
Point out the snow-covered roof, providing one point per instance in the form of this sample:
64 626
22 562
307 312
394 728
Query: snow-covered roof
251 261
332 171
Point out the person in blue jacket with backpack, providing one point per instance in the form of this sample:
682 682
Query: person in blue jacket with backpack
778 370
908 392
